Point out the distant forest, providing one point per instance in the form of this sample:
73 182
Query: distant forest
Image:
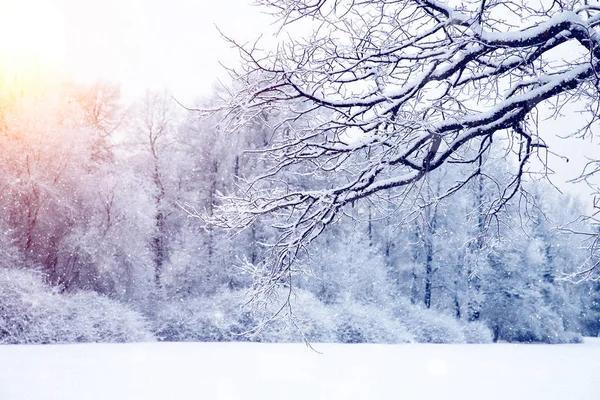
110 233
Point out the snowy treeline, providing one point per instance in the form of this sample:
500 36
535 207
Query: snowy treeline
98 244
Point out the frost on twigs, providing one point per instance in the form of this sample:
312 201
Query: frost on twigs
270 297
589 239
359 99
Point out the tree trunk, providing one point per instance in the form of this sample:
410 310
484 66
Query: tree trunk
473 280
429 231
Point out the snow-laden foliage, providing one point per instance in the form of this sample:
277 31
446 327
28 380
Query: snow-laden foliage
205 319
222 317
33 312
428 326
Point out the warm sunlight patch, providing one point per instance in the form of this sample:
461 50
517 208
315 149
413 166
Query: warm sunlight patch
32 35
32 47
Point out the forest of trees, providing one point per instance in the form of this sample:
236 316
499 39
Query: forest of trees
111 232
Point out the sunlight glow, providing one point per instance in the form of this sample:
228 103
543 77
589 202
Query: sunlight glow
140 44
32 48
32 33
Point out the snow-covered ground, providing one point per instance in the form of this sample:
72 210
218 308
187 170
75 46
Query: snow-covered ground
172 371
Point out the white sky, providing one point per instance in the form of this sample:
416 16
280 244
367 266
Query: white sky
143 44
571 155
170 44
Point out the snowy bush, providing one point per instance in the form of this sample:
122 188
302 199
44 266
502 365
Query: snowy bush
311 320
222 317
348 322
524 316
357 323
477 332
94 318
353 322
540 325
217 318
429 326
32 312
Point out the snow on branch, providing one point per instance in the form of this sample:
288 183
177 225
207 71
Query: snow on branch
383 93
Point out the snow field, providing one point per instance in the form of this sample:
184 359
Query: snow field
161 371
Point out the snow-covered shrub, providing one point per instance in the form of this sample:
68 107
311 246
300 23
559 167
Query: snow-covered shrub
32 312
477 332
430 326
217 318
311 320
540 325
357 323
90 317
222 317
354 322
24 301
522 315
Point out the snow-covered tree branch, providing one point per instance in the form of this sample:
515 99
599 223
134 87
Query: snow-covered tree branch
380 94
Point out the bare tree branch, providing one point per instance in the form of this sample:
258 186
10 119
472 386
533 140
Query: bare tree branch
383 93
